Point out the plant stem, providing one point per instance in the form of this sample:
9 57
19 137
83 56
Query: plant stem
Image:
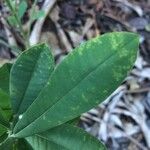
25 37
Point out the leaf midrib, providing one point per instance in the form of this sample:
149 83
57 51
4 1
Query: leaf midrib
92 70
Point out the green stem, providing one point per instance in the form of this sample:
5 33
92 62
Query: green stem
19 23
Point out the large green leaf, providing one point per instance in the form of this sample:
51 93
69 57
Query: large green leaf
29 75
14 144
84 79
65 137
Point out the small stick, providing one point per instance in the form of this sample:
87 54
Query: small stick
36 32
10 37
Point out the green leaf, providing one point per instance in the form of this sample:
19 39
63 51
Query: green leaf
4 135
3 130
4 100
5 104
65 137
83 80
3 119
29 75
12 21
5 107
22 144
4 77
22 9
7 144
37 15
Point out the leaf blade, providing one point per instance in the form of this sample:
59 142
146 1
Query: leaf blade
81 88
4 77
7 144
3 120
37 15
4 100
29 75
22 9
5 107
65 137
3 131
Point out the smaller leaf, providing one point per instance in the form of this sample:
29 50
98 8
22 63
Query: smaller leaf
22 9
2 131
29 74
4 77
7 144
12 21
4 91
38 15
4 100
22 144
3 136
5 104
3 120
65 137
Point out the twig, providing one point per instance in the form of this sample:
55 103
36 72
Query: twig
87 26
141 90
136 8
36 32
63 37
140 120
10 37
54 17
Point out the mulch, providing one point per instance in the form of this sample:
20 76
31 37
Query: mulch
122 121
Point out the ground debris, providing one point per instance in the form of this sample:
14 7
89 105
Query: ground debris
122 121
